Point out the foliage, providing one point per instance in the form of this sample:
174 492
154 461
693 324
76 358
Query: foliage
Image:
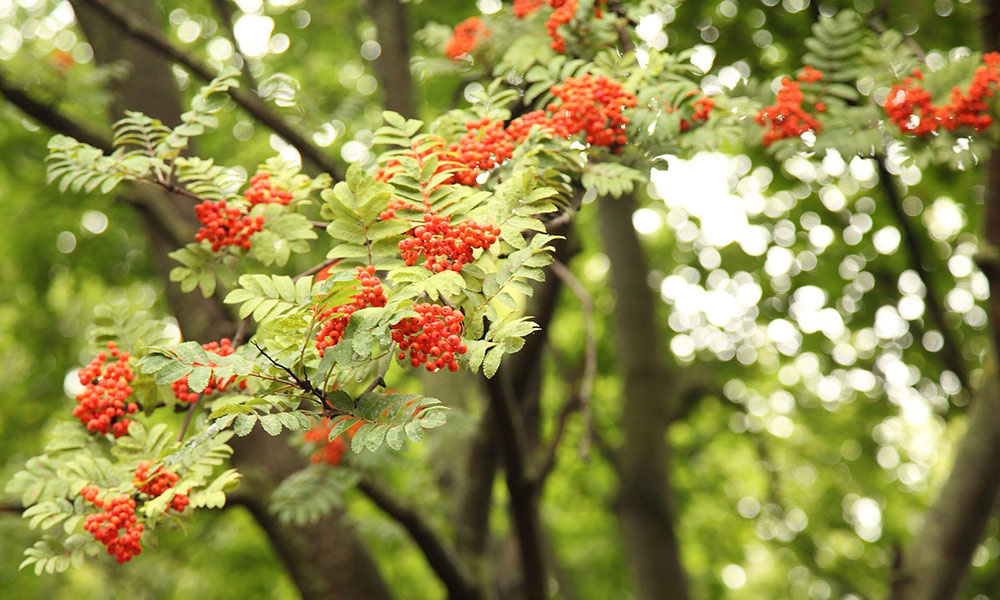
278 287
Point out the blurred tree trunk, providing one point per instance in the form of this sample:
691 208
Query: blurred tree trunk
326 559
644 506
936 561
392 23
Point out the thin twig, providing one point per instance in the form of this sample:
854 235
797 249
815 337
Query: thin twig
564 273
149 35
187 421
303 384
548 461
316 268
379 379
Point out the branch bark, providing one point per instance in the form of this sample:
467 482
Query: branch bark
392 24
140 29
50 116
936 561
920 263
644 504
440 555
325 559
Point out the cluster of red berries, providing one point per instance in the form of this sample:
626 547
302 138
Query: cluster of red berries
432 339
524 8
103 404
564 12
485 146
223 347
223 225
787 118
394 205
519 128
262 191
443 246
910 107
465 38
118 515
155 483
593 106
330 452
702 111
335 320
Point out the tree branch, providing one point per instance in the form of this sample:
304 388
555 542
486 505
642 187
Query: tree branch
440 555
919 262
251 103
224 10
563 272
50 116
523 500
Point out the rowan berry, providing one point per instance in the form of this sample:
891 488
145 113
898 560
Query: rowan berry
524 8
334 320
787 118
433 338
262 191
118 516
592 106
182 392
485 146
465 38
155 483
329 451
564 12
223 225
910 108
103 403
443 246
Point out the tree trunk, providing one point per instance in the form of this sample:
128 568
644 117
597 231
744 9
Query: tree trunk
644 496
392 23
325 560
936 561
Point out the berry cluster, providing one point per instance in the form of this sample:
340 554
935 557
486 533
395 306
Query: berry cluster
432 339
223 225
394 205
525 8
224 347
330 452
155 483
702 111
118 514
262 191
103 404
786 117
589 105
564 12
465 38
593 106
335 320
443 246
485 146
519 128
910 107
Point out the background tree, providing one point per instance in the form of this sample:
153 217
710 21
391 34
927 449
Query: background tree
787 414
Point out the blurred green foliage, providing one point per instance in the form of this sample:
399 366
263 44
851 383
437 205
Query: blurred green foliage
779 507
